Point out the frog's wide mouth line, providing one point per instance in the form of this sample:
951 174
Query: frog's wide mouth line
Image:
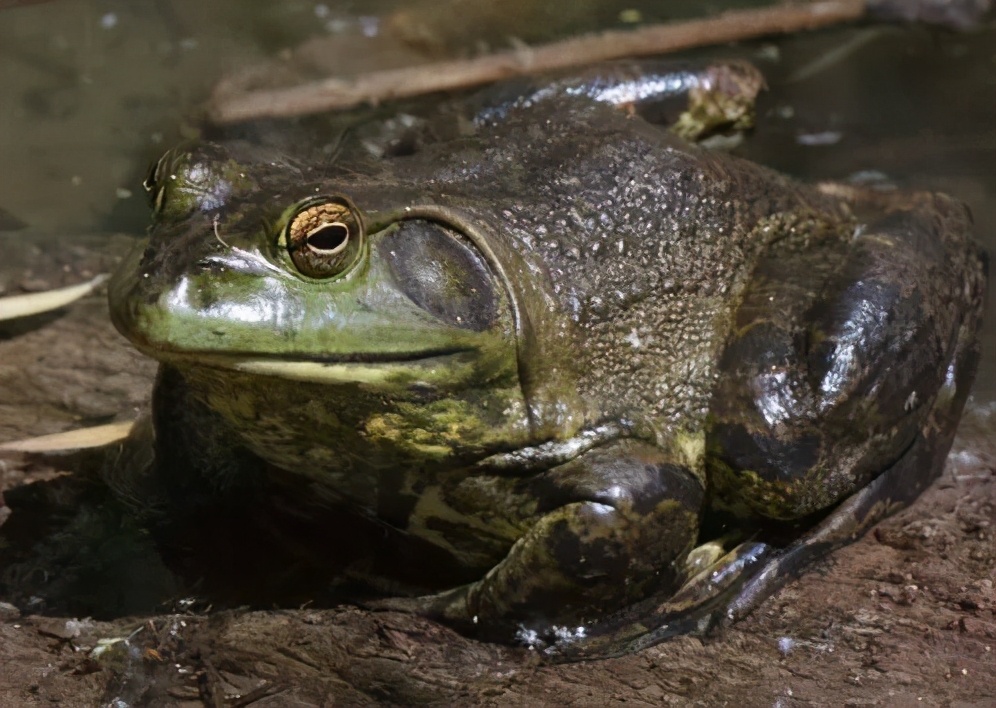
431 367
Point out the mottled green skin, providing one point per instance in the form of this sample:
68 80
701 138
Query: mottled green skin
647 292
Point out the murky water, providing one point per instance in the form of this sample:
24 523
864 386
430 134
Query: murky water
92 90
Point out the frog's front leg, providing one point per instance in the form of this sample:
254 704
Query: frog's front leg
613 522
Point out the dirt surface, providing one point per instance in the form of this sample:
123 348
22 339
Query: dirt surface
904 617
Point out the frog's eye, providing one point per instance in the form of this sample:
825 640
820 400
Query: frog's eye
324 238
183 182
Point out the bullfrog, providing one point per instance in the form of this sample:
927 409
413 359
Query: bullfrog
556 371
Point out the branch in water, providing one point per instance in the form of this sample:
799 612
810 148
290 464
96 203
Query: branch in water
6 4
378 86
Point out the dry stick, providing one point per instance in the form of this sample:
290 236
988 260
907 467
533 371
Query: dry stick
376 86
5 4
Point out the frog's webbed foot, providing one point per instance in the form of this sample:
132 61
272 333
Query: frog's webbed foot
696 99
698 606
447 606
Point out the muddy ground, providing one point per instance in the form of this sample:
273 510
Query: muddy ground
904 617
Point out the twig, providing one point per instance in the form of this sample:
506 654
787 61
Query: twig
14 306
5 4
79 439
376 86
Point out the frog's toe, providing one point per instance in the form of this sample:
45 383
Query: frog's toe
449 606
700 604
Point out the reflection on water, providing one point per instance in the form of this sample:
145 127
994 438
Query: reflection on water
92 91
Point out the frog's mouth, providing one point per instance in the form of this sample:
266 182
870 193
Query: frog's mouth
235 306
432 369
240 312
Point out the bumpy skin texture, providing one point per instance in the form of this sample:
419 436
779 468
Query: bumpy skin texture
569 337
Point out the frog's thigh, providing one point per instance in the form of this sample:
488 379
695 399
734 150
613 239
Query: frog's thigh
895 488
616 520
837 355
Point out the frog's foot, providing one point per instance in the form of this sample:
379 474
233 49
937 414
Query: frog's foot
735 585
447 606
694 609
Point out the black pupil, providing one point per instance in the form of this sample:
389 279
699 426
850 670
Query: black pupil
328 238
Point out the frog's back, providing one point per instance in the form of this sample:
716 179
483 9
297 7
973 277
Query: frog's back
645 241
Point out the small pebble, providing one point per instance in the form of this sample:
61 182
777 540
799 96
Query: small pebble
8 612
826 137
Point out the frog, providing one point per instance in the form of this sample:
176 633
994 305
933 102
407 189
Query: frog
549 370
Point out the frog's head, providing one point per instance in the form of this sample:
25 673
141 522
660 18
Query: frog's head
265 268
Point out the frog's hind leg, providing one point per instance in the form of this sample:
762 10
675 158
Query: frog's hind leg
917 431
736 584
894 489
844 382
840 352
695 99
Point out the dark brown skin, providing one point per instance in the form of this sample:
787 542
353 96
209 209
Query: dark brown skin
646 347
